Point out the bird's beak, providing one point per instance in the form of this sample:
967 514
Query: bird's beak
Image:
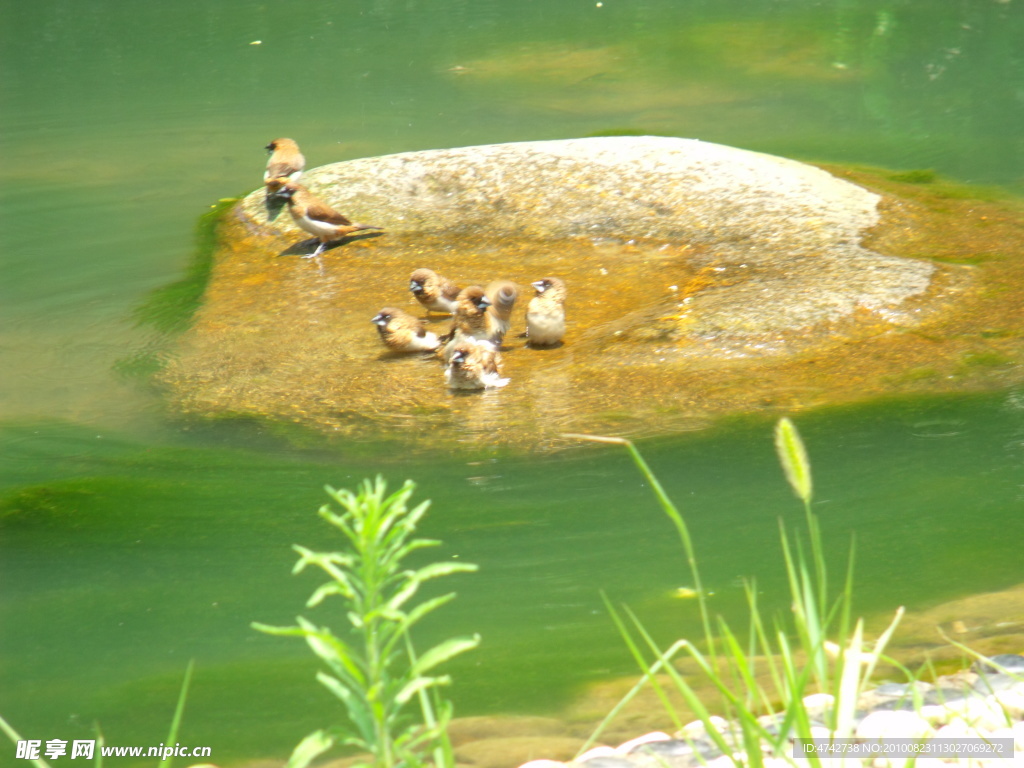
379 320
539 285
415 287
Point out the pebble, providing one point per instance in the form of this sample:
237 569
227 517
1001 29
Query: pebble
985 702
640 741
1010 662
613 761
892 724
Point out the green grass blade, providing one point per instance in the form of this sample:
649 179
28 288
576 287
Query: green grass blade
309 749
15 737
179 711
634 649
849 683
630 695
677 520
443 651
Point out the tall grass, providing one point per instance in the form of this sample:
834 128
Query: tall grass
373 667
815 649
97 761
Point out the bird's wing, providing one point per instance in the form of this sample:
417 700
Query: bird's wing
323 212
450 290
281 169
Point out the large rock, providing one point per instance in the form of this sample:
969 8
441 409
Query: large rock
795 226
701 279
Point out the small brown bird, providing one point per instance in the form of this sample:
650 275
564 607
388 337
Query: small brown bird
286 164
402 332
317 217
434 292
545 314
502 294
474 364
470 320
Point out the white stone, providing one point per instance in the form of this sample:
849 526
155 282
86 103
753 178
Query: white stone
819 702
628 746
821 732
1018 736
883 724
1012 701
983 713
936 714
727 761
696 729
1006 733
598 752
956 728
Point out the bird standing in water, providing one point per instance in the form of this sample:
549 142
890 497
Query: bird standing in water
435 292
318 218
402 332
545 314
470 320
474 364
502 294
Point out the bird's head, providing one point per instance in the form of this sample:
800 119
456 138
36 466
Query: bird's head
277 144
382 318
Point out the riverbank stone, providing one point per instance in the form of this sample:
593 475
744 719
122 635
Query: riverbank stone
702 280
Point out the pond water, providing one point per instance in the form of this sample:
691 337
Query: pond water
132 542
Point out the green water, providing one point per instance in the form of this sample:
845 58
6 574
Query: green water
131 543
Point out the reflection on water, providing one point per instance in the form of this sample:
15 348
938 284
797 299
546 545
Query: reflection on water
131 544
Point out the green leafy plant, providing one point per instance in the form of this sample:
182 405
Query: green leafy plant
815 650
374 668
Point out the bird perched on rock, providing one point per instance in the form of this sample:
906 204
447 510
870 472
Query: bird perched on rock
470 320
402 332
434 292
502 294
474 364
286 164
317 217
545 314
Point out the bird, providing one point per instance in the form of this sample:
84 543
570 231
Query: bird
502 294
317 217
434 292
402 332
545 314
285 165
469 321
474 364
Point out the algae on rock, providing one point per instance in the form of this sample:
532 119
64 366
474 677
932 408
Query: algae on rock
702 279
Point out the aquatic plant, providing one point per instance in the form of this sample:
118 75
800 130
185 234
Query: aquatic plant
374 668
815 651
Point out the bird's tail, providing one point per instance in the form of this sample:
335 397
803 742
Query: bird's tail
363 227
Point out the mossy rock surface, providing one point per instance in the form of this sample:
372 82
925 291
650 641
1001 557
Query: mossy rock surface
702 280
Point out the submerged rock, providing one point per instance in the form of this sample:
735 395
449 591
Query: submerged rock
701 279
